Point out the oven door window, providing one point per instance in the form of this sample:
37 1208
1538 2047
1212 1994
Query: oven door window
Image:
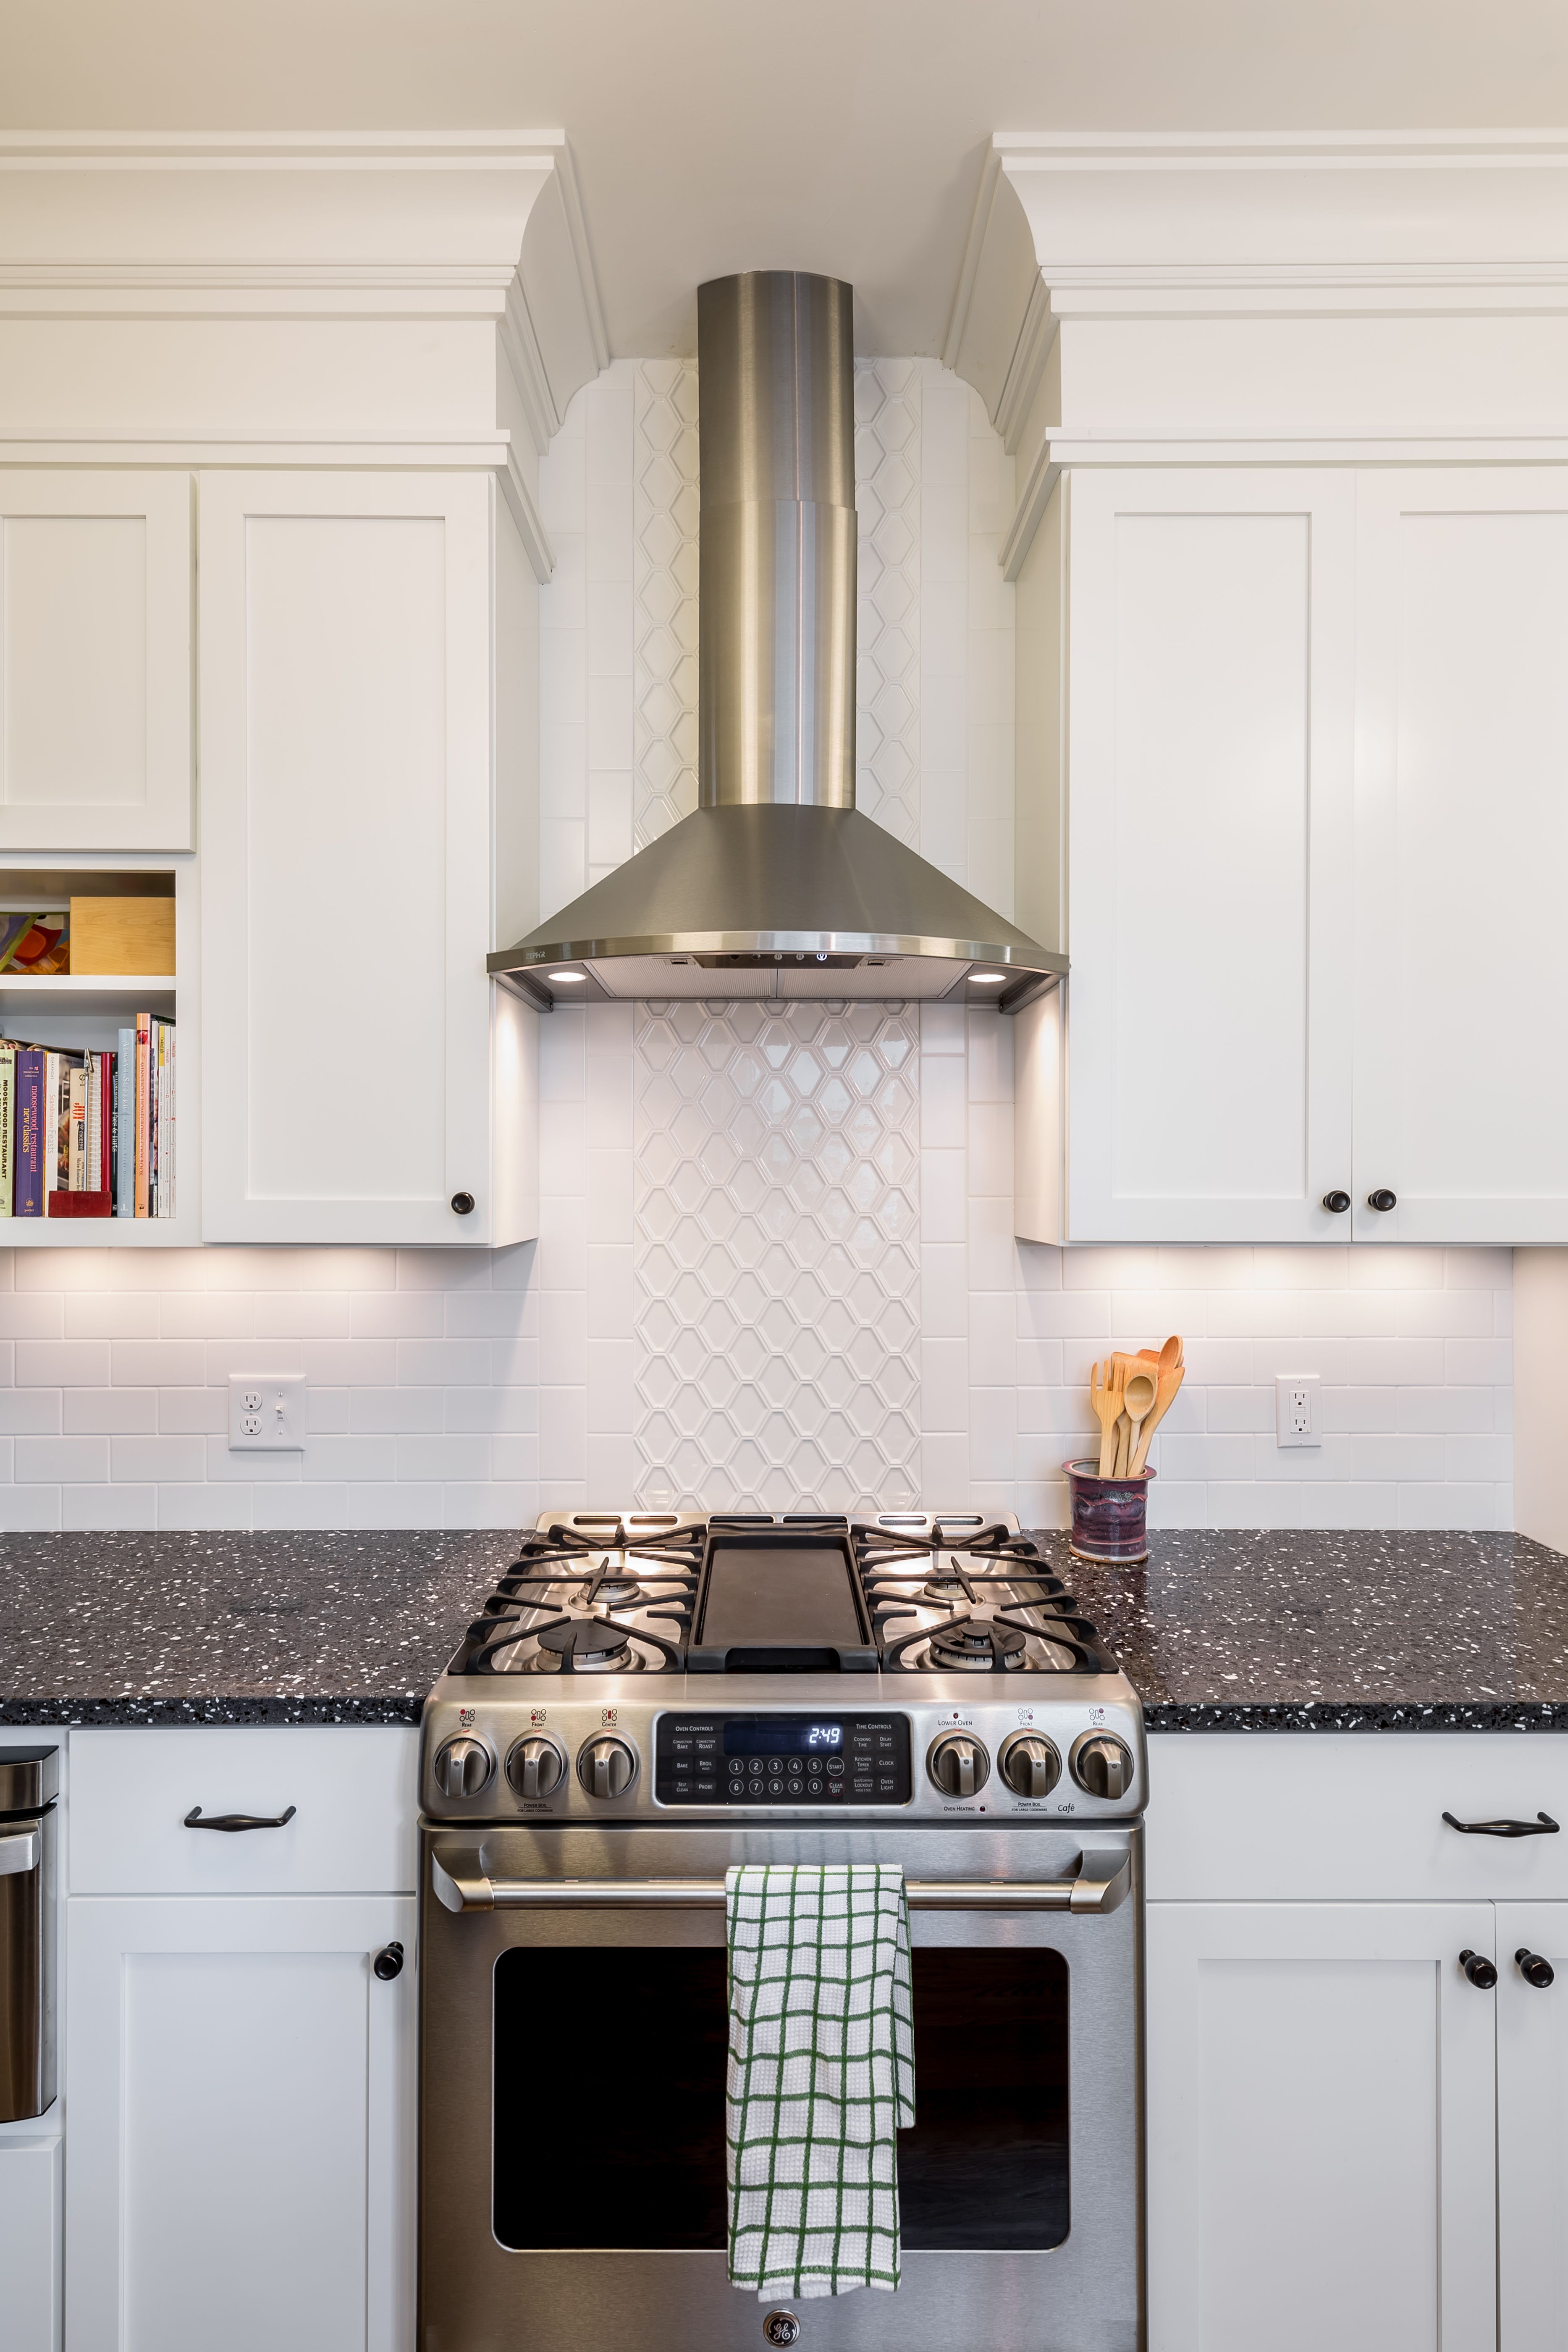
985 2166
609 2099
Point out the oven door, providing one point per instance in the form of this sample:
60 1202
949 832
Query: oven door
572 2070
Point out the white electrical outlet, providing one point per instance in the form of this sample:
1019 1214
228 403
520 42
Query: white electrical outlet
1296 1408
266 1411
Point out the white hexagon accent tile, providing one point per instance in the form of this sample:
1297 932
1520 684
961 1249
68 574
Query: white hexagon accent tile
664 570
778 1259
888 682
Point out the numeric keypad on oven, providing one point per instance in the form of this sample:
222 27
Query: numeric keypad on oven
814 1763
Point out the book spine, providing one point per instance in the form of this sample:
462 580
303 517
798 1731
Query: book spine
30 1077
143 1125
152 1137
125 1125
7 1126
165 1119
104 1164
76 1116
173 1120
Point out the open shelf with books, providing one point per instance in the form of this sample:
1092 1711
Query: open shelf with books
96 1058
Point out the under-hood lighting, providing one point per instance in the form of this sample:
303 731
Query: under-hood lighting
775 887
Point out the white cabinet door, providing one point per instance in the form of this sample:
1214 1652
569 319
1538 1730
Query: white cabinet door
240 2090
1533 2129
345 730
30 2241
1210 769
1321 2128
1461 1103
95 661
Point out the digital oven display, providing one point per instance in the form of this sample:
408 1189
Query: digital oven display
781 1735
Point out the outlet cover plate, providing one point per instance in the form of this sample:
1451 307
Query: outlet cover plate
1296 1421
266 1411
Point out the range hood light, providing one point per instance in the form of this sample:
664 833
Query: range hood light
563 979
775 887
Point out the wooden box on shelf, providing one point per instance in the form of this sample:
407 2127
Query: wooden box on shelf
121 935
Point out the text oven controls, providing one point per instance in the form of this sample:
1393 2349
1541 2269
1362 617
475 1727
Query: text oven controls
958 1764
1101 1764
463 1767
1029 1764
606 1767
535 1767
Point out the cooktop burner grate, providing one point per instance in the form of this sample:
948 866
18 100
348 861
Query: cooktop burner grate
615 1593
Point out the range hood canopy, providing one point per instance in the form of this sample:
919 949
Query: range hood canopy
776 886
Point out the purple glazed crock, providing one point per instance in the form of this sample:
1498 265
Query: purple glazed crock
1108 1514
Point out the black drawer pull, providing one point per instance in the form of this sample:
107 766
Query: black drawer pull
194 1820
388 1962
1541 1826
1481 1971
1337 1203
1534 1970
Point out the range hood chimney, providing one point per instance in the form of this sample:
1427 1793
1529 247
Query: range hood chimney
775 887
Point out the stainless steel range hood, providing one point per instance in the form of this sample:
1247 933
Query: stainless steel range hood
776 886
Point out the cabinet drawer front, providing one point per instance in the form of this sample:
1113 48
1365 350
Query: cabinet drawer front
1353 1817
352 1787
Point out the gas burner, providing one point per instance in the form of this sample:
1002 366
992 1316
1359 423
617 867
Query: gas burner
584 1645
977 1644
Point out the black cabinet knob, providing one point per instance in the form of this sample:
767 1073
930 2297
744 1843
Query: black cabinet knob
1384 1200
1534 1970
1337 1203
1479 1969
463 1204
388 1962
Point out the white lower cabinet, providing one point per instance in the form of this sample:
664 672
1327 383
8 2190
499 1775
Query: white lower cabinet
240 2089
1322 2128
1533 2129
30 2240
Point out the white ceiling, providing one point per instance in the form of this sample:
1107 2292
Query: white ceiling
839 135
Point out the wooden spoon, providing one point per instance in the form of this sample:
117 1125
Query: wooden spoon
1169 1382
1105 1397
1138 1397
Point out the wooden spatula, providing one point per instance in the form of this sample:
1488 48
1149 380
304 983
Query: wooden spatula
1138 1398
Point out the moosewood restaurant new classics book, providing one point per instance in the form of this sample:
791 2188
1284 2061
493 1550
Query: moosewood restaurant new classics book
84 1134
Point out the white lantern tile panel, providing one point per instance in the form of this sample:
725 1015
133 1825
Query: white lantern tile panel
777 1256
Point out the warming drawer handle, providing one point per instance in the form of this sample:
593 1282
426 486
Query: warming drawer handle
18 1852
460 1881
1541 1826
196 1820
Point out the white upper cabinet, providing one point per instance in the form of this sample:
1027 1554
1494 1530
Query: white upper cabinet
1462 1099
1210 765
95 660
361 1073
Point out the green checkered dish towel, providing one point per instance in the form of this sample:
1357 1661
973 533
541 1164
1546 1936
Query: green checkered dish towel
822 2074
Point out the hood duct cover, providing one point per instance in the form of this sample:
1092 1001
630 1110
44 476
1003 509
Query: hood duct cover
775 885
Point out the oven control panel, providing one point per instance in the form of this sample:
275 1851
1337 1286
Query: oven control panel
819 1761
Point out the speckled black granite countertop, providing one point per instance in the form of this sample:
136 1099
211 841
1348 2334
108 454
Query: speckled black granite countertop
1336 1631
1242 1630
339 1628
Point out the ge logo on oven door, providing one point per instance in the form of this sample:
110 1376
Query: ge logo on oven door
782 2327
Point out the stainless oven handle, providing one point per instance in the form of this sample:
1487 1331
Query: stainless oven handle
457 1875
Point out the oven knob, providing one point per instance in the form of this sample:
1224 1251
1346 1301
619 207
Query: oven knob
535 1767
1102 1765
463 1767
1029 1764
958 1765
606 1767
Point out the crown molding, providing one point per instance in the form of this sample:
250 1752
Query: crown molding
485 225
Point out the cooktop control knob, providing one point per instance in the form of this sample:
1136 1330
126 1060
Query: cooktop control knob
606 1767
1029 1764
463 1767
1102 1765
958 1765
535 1767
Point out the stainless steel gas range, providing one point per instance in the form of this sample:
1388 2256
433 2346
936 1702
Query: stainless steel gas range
647 1698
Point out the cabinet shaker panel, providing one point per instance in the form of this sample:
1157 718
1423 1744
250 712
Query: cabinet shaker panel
346 816
240 2087
1532 2125
1321 2128
1209 761
1461 1106
95 661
